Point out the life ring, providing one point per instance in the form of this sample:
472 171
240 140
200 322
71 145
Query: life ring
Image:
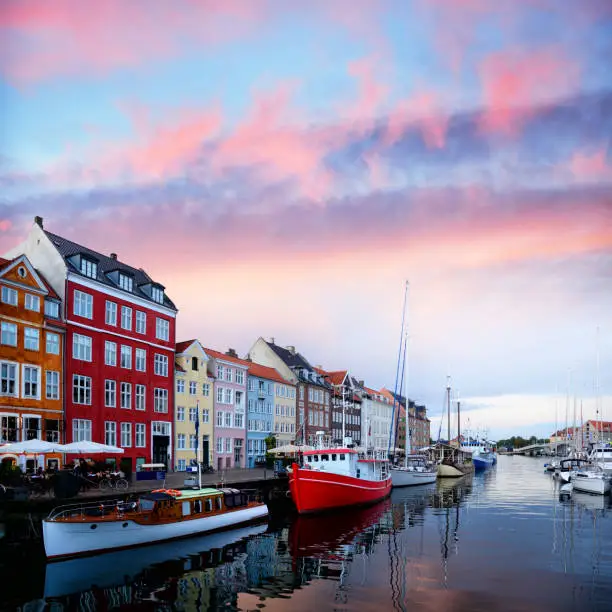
172 492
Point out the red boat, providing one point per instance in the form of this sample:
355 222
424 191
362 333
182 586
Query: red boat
333 478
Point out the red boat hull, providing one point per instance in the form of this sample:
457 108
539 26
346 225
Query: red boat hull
315 491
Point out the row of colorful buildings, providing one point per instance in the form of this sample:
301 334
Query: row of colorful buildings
88 351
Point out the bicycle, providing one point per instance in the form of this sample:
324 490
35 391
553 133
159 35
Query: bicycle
120 484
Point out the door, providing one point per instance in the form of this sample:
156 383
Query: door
160 450
205 451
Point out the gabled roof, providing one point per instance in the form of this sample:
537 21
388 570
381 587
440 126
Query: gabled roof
291 359
5 264
265 372
337 377
66 248
224 357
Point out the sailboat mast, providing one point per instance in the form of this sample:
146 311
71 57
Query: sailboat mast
459 423
448 406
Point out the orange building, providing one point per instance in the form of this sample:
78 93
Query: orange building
31 360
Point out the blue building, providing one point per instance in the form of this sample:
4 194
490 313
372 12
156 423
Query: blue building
261 382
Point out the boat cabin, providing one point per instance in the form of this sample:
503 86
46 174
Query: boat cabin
346 462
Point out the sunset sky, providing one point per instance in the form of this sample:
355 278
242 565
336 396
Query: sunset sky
283 167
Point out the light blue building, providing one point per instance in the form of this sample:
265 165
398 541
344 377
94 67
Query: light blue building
260 409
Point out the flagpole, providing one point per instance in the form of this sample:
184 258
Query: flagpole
197 429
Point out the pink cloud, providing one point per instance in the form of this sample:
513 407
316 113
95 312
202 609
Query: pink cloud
591 167
68 37
5 225
371 92
513 81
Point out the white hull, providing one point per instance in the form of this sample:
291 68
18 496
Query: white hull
408 478
450 471
63 538
600 486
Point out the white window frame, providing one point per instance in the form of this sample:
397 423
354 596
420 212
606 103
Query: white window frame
81 347
180 414
126 282
141 397
32 302
110 313
160 400
160 365
180 385
38 382
84 384
81 430
162 329
181 441
126 351
140 440
52 383
126 396
110 391
110 353
126 435
51 309
140 363
52 342
8 329
192 414
83 304
110 433
141 322
31 335
126 318
193 387
89 268
15 367
9 296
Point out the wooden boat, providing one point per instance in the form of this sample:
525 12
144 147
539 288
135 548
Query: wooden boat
452 462
161 515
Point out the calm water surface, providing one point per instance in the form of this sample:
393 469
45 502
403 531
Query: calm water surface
502 540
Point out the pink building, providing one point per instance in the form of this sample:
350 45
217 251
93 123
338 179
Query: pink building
230 373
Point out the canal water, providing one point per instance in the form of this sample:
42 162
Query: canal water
497 541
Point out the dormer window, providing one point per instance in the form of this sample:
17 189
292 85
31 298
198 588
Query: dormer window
51 309
126 282
89 268
157 294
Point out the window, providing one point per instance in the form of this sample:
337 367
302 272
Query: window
228 445
180 386
240 377
81 347
126 282
81 430
83 304
229 375
219 395
220 372
53 343
228 395
8 379
157 294
192 441
31 336
111 313
180 441
192 415
32 302
110 393
141 360
52 309
31 382
181 465
205 389
81 389
205 415
140 397
110 353
52 427
126 357
141 322
228 419
9 296
219 445
161 365
162 329
126 395
8 334
180 413
52 379
194 364
160 400
110 433
126 435
141 432
126 317
193 388
219 419
238 420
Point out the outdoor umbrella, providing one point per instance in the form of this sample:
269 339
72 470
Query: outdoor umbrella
87 446
290 448
39 447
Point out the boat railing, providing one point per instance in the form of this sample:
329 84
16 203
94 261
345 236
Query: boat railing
89 509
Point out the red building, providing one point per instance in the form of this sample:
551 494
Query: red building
119 357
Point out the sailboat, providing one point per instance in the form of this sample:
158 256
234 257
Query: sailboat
453 462
416 469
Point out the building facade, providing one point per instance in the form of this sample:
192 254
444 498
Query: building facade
313 405
230 391
31 360
377 412
284 412
193 400
262 383
120 341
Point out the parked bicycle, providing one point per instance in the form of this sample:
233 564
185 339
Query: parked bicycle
114 482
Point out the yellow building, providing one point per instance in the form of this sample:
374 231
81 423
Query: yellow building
284 412
193 389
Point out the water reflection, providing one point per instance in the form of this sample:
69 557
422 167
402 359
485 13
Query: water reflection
466 544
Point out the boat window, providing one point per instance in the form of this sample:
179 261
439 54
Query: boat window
342 456
197 506
147 504
316 458
219 503
324 457
309 458
208 505
186 508
334 456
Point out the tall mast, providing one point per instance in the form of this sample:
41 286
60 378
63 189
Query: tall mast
598 406
448 406
459 423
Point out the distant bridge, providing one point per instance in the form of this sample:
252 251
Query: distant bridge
541 449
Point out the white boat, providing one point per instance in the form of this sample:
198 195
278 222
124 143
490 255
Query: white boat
568 468
602 456
591 481
415 471
161 515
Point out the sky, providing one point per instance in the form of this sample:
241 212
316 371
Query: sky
284 167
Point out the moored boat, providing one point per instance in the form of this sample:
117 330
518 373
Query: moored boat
591 481
333 478
157 516
415 471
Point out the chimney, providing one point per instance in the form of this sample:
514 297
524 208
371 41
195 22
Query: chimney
291 349
232 353
361 383
272 340
113 255
39 222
